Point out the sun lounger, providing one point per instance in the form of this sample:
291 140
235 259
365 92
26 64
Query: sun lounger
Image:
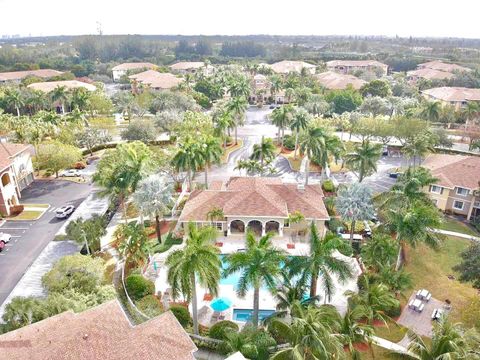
420 309
429 296
410 304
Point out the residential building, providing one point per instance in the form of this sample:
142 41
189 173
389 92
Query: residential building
258 204
192 67
126 68
428 74
103 332
458 97
287 66
16 173
458 187
348 66
49 86
154 80
335 81
441 66
18 76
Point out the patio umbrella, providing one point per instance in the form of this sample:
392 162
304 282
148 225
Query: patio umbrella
221 304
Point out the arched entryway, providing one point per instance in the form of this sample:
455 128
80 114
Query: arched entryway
272 226
5 179
255 226
237 227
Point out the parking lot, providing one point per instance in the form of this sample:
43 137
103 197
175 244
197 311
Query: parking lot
29 238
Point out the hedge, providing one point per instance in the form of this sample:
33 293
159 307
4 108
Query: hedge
182 314
139 287
328 186
218 330
150 305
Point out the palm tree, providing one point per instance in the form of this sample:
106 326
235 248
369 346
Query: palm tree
299 123
354 331
472 111
211 152
397 281
222 123
364 159
263 151
237 107
251 167
322 263
14 98
60 94
380 250
431 111
259 265
354 203
36 100
289 292
419 146
312 143
134 248
276 84
239 86
197 261
188 158
281 118
80 99
215 214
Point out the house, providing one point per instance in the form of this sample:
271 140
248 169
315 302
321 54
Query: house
458 187
125 68
458 97
154 80
428 74
18 76
192 67
287 66
441 66
103 332
348 66
16 173
49 86
335 81
259 204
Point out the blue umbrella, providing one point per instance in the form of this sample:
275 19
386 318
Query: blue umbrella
221 304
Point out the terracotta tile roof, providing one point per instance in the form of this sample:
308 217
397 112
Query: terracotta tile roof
187 65
430 74
355 63
253 196
455 170
134 66
8 151
440 65
157 80
19 75
446 93
335 81
68 84
103 332
286 66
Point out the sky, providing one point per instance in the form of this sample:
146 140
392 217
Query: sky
436 18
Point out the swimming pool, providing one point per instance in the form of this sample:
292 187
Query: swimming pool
244 315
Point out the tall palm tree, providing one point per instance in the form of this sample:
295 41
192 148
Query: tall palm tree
379 251
276 84
14 98
80 99
281 118
322 263
431 111
299 123
60 94
353 330
263 151
134 246
238 86
188 158
364 159
36 100
215 213
289 292
222 124
211 152
312 143
259 265
237 106
197 261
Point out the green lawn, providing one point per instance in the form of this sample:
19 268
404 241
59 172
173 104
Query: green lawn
429 270
457 226
27 215
43 206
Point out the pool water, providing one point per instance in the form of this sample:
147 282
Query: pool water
244 315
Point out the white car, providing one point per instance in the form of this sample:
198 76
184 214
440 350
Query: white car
4 239
71 173
64 211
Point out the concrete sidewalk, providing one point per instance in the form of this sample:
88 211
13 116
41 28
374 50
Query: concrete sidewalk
457 234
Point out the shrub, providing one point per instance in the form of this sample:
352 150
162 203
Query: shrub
218 330
330 205
139 287
394 311
334 224
289 142
182 314
150 305
328 186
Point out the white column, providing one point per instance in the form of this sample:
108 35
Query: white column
263 229
228 229
280 229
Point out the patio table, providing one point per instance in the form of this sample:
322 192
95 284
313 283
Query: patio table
422 294
416 304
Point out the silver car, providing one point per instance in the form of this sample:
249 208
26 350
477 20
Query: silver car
64 212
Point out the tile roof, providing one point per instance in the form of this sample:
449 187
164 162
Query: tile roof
430 74
254 196
455 170
355 63
187 65
287 66
440 65
103 332
19 75
157 80
134 66
68 84
335 81
446 93
8 151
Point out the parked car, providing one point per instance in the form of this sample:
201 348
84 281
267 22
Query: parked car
395 173
4 239
70 173
367 232
385 151
64 211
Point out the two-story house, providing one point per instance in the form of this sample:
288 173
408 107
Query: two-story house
348 66
458 187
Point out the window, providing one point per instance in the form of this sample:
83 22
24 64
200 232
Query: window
462 191
219 225
458 205
286 223
435 189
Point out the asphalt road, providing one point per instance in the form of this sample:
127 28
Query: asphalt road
29 238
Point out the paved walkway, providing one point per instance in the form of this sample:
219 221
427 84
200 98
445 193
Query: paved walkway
387 344
457 234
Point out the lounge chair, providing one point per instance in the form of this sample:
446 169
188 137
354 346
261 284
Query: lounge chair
420 309
215 316
410 304
429 296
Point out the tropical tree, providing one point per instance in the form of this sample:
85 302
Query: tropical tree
396 281
431 111
281 118
276 84
364 159
263 151
299 123
215 214
354 203
237 107
259 265
152 198
289 292
354 331
14 98
188 157
419 146
313 145
133 247
88 232
60 95
223 123
322 263
251 167
380 250
197 261
211 152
